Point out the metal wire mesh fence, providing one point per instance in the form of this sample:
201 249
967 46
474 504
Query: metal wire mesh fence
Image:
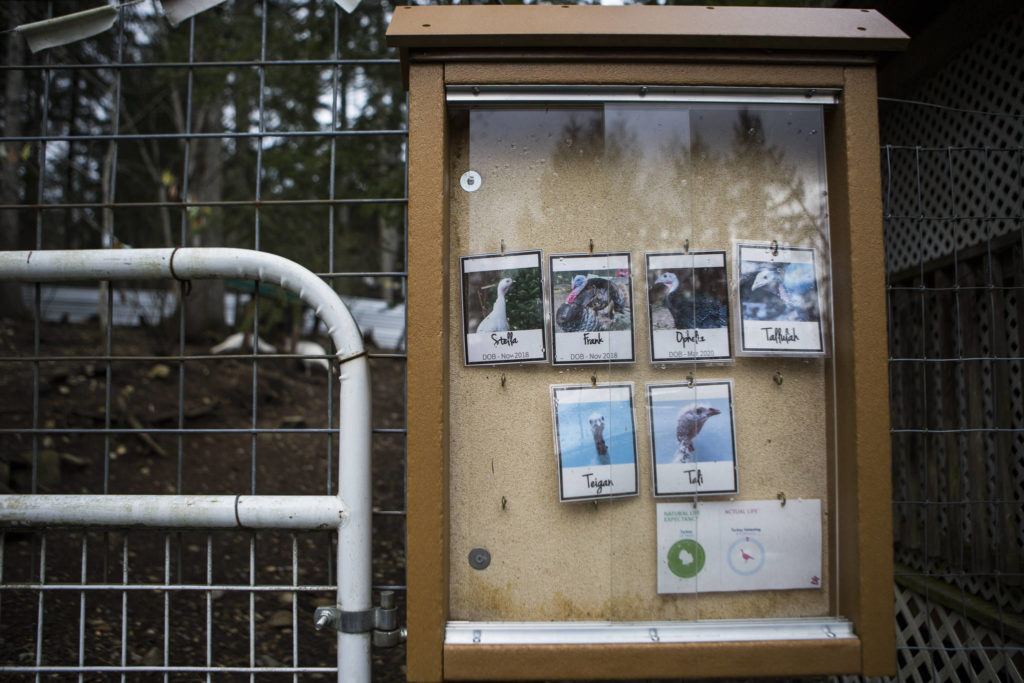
276 126
953 218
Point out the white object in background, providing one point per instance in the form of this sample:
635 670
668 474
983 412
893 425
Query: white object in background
388 328
178 11
347 5
68 28
242 341
132 307
304 347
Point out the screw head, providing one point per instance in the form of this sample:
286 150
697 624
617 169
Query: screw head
479 558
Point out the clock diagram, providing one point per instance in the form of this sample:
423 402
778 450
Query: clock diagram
746 556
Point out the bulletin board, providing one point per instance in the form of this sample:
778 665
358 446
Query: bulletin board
499 541
629 178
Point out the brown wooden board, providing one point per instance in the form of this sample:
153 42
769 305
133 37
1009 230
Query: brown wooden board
643 26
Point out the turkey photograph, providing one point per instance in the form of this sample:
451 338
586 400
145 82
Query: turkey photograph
780 299
688 306
592 308
503 308
595 440
692 437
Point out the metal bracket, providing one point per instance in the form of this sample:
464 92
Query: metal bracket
381 620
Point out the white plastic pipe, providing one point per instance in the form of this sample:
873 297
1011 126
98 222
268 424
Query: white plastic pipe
189 264
354 528
308 513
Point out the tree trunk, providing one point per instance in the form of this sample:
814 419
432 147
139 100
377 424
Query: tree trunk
10 156
390 242
106 228
205 305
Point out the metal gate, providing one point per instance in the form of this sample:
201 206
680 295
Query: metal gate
347 513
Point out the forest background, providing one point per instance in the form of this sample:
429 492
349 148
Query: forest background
267 124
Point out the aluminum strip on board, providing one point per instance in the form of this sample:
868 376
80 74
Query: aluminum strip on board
603 632
575 94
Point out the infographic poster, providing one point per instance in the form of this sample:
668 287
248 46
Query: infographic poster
739 546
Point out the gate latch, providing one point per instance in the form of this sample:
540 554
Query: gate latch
381 620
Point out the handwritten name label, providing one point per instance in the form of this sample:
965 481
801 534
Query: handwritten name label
508 339
696 476
599 484
783 335
689 337
587 339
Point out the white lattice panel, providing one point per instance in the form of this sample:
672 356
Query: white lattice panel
935 644
953 179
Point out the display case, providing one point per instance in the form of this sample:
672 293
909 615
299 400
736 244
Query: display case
645 269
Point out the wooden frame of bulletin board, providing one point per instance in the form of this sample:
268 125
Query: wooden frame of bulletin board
721 47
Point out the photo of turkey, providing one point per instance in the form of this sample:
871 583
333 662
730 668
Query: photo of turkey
593 304
792 286
784 291
497 320
686 310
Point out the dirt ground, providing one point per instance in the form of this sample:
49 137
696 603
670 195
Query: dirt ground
165 402
193 628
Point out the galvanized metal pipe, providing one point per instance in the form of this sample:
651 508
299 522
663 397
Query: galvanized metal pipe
354 527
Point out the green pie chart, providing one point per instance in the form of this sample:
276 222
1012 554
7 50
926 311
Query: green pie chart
686 558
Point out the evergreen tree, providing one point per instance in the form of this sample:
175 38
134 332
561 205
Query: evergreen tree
259 89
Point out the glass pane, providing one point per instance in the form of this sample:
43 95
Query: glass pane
707 227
